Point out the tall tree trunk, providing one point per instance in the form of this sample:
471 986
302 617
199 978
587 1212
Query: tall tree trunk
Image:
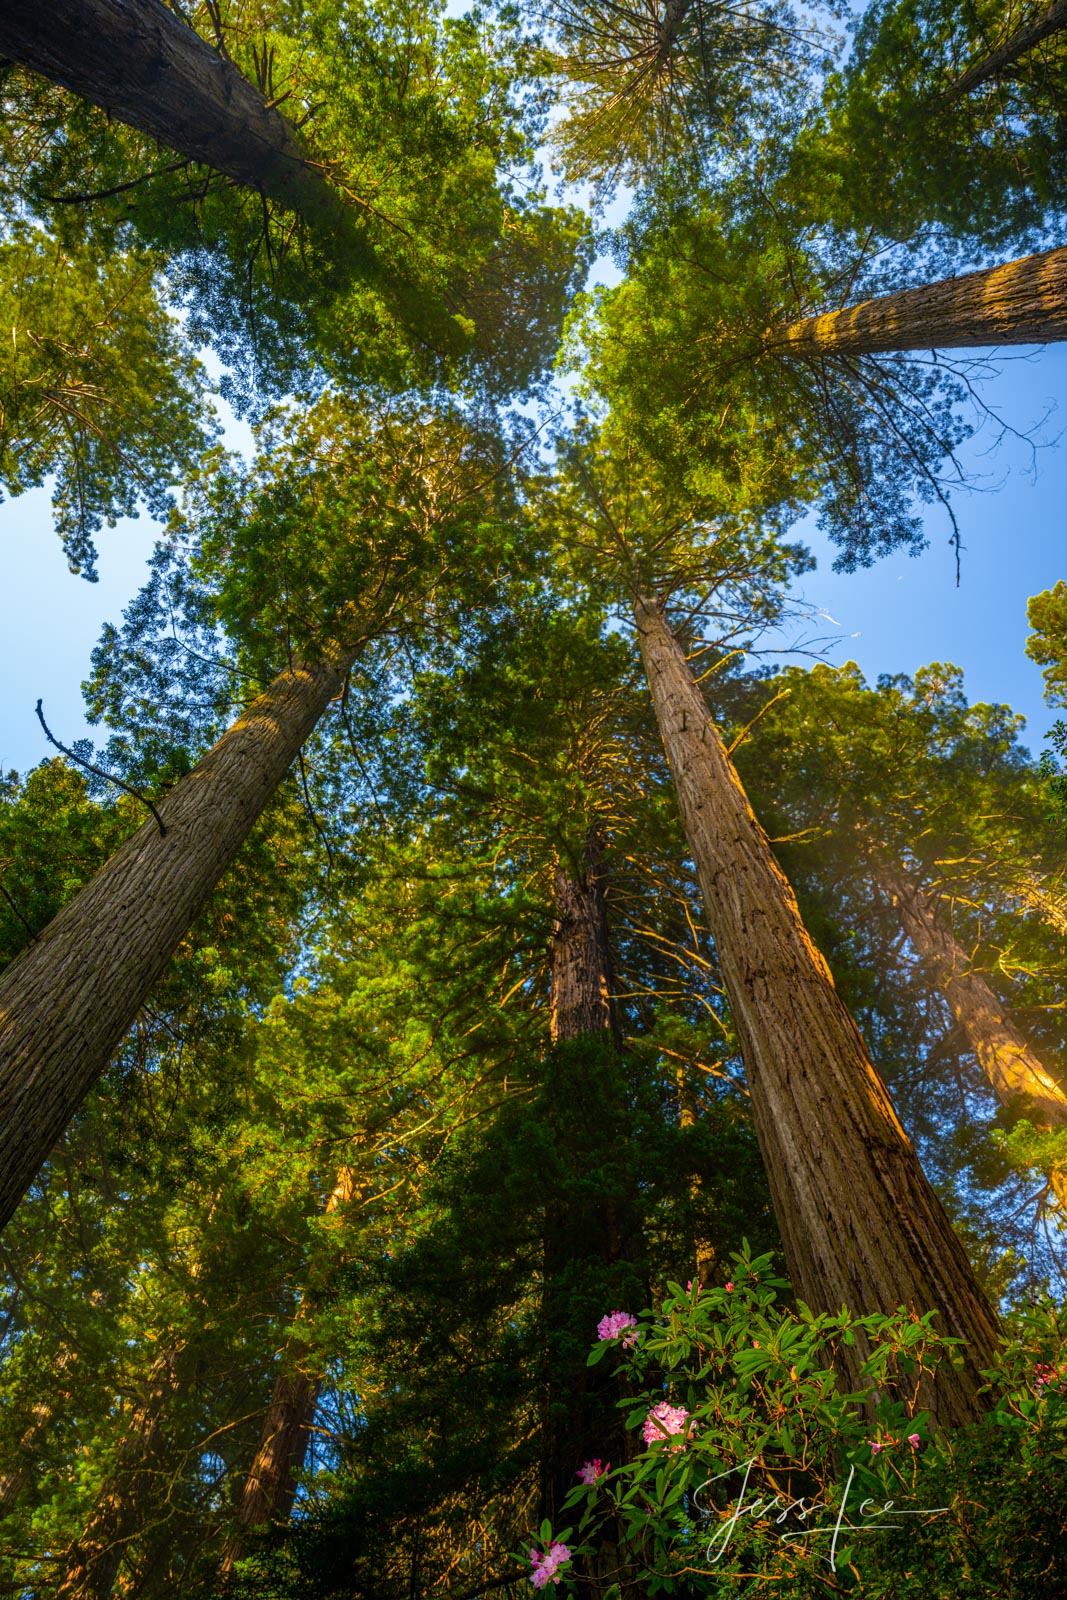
1022 302
1049 21
582 1007
92 1565
270 1487
581 955
1011 1065
674 14
860 1224
68 999
580 1413
145 67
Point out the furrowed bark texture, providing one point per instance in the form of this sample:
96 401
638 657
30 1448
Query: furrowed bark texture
860 1225
1022 302
145 67
1010 1064
67 1001
581 955
270 1487
1022 40
92 1565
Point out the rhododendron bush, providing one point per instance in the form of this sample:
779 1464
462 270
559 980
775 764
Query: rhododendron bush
754 1471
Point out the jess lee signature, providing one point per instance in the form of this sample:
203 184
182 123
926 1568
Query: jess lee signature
882 1517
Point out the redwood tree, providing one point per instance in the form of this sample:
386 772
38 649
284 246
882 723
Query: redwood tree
860 1224
366 535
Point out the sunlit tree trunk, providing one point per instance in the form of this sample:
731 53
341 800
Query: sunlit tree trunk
860 1224
139 61
69 998
270 1487
1011 1065
1047 22
1022 302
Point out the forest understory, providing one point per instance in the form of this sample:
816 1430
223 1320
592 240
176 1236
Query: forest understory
509 1078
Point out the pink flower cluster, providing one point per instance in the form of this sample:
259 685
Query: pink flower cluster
883 1444
546 1566
664 1420
1045 1376
616 1324
593 1470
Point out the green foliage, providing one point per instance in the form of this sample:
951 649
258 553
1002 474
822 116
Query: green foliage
683 81
895 152
442 266
99 388
683 354
768 1473
461 1361
342 1143
905 785
1047 645
52 839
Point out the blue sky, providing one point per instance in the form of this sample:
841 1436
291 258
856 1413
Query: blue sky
907 611
894 617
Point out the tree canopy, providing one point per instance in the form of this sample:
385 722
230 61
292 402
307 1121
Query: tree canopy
498 1086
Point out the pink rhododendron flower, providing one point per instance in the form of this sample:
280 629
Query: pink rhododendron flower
664 1420
593 1470
546 1566
729 1288
875 1446
617 1323
913 1440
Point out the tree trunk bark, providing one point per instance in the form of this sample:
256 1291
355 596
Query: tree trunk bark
69 998
1022 302
1051 20
581 955
145 67
580 1415
860 1225
92 1565
270 1487
1010 1064
582 1007
674 14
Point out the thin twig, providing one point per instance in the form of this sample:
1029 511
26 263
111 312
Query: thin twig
108 777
